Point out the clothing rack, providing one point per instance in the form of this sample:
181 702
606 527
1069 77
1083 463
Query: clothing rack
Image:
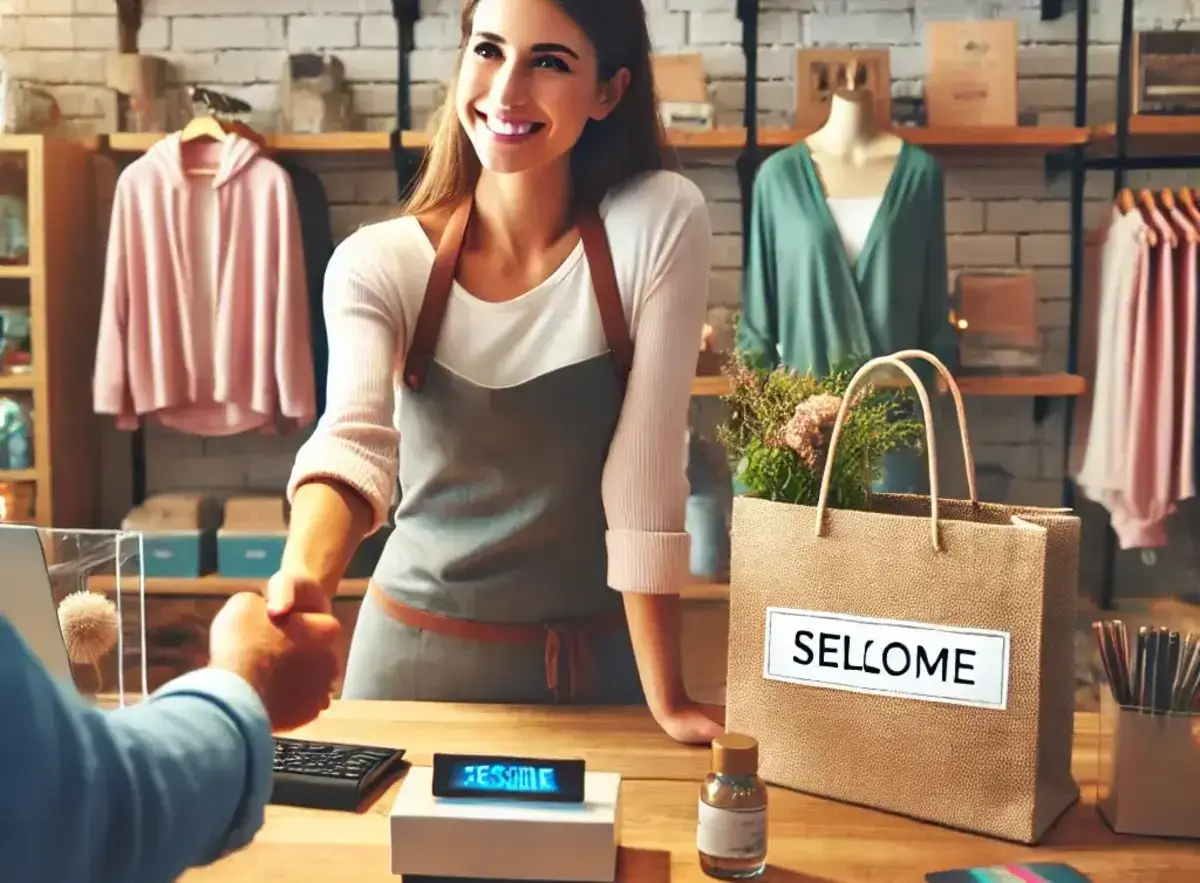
1078 163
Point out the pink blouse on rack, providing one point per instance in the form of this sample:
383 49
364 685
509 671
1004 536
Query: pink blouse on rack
1148 495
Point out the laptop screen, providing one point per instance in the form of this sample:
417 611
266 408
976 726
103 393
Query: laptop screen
26 599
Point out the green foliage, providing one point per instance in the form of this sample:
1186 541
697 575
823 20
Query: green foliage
762 401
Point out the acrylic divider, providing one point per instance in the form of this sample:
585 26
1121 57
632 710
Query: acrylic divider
101 573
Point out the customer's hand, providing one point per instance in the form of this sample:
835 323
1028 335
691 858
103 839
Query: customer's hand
291 664
692 723
288 591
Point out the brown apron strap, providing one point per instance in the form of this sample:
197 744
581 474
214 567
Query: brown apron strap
441 281
560 638
437 296
608 292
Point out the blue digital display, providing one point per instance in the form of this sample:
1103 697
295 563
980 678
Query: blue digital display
499 777
505 778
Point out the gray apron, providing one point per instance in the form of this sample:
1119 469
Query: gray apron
492 586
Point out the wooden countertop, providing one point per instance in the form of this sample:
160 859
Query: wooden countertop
811 840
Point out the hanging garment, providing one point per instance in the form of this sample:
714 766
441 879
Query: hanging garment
532 487
1124 276
807 305
1187 288
204 324
316 234
1148 493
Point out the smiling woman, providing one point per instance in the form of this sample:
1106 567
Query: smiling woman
524 334
581 74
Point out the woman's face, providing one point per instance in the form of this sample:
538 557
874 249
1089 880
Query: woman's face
528 84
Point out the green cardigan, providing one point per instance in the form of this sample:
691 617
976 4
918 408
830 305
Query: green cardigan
805 305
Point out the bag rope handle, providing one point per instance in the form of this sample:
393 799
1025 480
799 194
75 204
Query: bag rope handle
960 410
930 440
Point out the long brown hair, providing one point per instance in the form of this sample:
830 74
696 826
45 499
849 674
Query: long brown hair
630 140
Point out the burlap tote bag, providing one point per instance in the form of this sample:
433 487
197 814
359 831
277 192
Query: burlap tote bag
918 657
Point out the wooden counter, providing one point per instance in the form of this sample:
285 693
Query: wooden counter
811 840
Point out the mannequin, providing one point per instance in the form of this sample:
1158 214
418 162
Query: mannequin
854 156
847 254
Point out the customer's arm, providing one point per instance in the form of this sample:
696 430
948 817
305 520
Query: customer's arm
138 794
344 476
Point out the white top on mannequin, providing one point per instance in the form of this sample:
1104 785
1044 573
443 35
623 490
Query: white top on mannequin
853 155
854 217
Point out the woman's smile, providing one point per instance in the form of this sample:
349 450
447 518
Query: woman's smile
508 128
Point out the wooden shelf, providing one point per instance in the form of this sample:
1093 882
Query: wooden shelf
1152 126
329 142
974 138
18 382
374 142
15 271
710 385
1037 385
1016 385
224 587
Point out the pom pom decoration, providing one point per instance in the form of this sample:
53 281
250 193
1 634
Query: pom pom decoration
90 628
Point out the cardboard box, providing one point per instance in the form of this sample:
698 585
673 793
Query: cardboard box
821 72
507 840
971 73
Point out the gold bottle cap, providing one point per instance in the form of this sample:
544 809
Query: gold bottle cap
734 754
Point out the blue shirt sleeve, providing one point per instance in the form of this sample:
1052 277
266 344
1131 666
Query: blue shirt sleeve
141 793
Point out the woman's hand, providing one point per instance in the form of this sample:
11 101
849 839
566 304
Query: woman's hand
692 723
289 591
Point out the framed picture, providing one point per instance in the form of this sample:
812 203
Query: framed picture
821 72
971 73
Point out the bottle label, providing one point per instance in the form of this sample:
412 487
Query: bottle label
731 833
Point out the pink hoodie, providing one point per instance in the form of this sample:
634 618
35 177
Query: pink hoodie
204 324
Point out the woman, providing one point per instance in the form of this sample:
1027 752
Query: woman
540 300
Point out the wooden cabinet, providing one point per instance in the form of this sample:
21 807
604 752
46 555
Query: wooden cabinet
47 274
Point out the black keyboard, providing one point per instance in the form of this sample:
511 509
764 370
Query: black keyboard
329 775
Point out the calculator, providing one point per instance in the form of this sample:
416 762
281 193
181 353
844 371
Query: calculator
330 775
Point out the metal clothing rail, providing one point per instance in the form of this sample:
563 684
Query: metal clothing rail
1078 163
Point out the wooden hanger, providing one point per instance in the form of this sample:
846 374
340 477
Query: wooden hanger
1154 217
1127 204
1179 218
218 130
215 129
1188 198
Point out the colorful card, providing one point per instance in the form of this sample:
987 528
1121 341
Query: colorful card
1021 872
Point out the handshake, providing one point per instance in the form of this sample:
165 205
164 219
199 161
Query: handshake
289 661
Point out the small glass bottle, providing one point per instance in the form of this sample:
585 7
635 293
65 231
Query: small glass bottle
731 831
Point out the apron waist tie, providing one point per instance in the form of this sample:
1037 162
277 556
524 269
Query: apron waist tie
567 639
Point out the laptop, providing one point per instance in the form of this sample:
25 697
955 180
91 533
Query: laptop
26 598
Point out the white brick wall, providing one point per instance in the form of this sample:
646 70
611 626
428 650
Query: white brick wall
998 215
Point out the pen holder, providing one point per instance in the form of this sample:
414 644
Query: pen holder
1149 782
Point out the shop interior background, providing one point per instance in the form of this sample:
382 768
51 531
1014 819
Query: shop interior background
1000 214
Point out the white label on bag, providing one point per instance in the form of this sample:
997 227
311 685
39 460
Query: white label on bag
911 660
731 833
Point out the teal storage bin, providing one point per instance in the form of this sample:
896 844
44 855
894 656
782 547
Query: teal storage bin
249 555
178 554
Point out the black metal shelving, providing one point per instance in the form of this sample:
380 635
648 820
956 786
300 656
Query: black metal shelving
1078 163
